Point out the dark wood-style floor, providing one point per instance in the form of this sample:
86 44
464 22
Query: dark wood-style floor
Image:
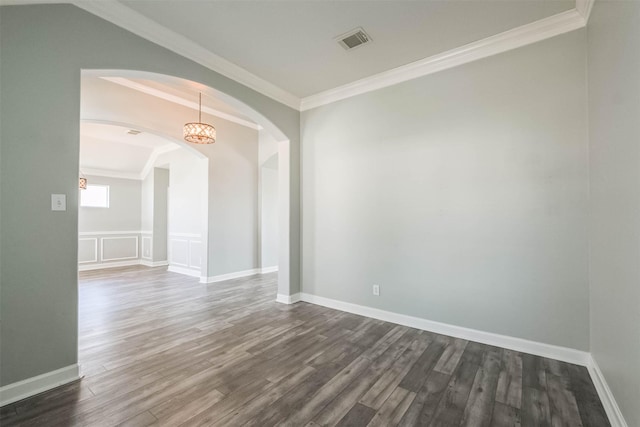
159 348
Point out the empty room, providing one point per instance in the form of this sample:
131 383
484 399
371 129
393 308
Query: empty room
320 213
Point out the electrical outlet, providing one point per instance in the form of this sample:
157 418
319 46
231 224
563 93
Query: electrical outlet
376 290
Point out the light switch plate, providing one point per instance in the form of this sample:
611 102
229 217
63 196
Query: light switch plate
58 202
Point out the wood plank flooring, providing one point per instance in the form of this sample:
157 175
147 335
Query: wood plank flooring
161 349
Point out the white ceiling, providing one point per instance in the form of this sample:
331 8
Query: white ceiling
290 43
184 92
108 149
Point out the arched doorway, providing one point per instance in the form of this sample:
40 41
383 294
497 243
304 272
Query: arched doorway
145 81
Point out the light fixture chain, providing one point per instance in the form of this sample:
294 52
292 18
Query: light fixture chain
199 133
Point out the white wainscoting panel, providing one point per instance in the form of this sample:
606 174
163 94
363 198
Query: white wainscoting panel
119 248
179 252
102 249
87 250
195 254
185 253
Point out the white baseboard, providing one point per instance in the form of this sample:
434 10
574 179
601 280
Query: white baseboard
606 397
222 277
185 271
148 263
108 265
229 276
564 354
31 386
288 299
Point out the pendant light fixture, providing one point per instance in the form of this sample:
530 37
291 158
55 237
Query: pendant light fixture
83 181
199 133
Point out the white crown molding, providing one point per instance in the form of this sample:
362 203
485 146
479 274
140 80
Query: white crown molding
584 8
499 43
31 386
606 396
146 28
180 101
563 354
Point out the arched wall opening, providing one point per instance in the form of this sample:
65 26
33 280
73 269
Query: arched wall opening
272 141
40 126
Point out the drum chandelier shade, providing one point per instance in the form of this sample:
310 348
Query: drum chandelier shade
199 133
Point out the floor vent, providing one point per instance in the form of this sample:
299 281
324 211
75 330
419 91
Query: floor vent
354 38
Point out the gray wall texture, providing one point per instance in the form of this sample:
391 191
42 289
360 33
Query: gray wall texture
463 194
123 213
44 48
269 216
614 154
160 214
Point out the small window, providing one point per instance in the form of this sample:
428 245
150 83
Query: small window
95 196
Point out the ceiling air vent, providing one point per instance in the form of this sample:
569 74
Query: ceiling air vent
354 38
133 132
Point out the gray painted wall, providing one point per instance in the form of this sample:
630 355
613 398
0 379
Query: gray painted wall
44 48
269 214
123 212
97 242
146 205
463 194
154 214
268 160
233 200
614 135
160 214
